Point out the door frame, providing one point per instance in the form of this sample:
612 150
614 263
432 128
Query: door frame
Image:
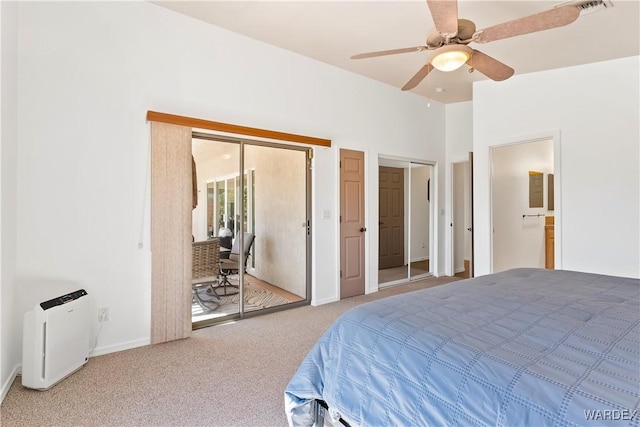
557 189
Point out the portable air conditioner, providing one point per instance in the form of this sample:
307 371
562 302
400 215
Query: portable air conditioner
55 340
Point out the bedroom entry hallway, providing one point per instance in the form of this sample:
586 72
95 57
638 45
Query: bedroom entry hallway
524 198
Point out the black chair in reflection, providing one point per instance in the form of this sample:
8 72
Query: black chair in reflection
231 266
226 241
205 270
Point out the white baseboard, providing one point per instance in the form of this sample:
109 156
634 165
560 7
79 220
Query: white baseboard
316 303
458 270
99 351
9 382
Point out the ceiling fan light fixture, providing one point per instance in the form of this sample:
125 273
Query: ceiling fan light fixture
450 58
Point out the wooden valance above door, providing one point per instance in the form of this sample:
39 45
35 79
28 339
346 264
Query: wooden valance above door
154 116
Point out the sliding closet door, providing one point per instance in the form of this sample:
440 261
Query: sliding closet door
405 221
171 203
420 220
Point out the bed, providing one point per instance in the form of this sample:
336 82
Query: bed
525 347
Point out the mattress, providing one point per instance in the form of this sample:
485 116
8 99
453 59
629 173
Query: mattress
522 347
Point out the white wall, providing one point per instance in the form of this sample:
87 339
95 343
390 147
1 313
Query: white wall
89 71
10 326
519 241
594 109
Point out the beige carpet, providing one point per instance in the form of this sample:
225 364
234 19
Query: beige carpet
226 375
255 298
400 273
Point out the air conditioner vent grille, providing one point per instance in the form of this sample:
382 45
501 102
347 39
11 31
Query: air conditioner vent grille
589 6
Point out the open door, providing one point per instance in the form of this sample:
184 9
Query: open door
462 220
518 213
470 229
352 229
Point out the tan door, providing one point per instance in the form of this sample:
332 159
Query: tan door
391 213
352 228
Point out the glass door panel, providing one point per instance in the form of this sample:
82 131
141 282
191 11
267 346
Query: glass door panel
393 250
420 221
259 217
215 296
275 198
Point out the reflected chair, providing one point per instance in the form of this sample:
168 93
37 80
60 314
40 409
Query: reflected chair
205 271
231 266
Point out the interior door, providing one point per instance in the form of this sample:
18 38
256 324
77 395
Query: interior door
352 223
470 210
462 220
391 217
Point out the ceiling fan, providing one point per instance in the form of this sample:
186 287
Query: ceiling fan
452 36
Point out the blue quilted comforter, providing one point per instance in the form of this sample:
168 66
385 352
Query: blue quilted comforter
525 347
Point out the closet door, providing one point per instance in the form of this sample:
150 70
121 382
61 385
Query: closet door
420 264
405 225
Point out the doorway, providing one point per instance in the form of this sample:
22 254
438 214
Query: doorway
521 203
405 220
462 219
253 199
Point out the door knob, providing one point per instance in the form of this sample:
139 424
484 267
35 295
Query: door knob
362 230
469 229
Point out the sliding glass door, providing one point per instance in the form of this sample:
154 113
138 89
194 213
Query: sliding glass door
255 202
405 221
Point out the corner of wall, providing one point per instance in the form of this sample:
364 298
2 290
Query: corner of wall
6 385
9 330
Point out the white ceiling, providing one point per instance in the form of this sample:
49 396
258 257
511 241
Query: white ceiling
333 31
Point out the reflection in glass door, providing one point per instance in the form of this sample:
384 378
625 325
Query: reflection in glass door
260 220
420 221
405 221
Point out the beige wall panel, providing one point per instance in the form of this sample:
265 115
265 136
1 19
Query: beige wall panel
171 203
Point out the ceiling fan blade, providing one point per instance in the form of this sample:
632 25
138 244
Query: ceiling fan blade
445 16
489 66
389 52
419 76
546 20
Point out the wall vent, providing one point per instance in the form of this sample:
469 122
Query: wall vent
589 6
